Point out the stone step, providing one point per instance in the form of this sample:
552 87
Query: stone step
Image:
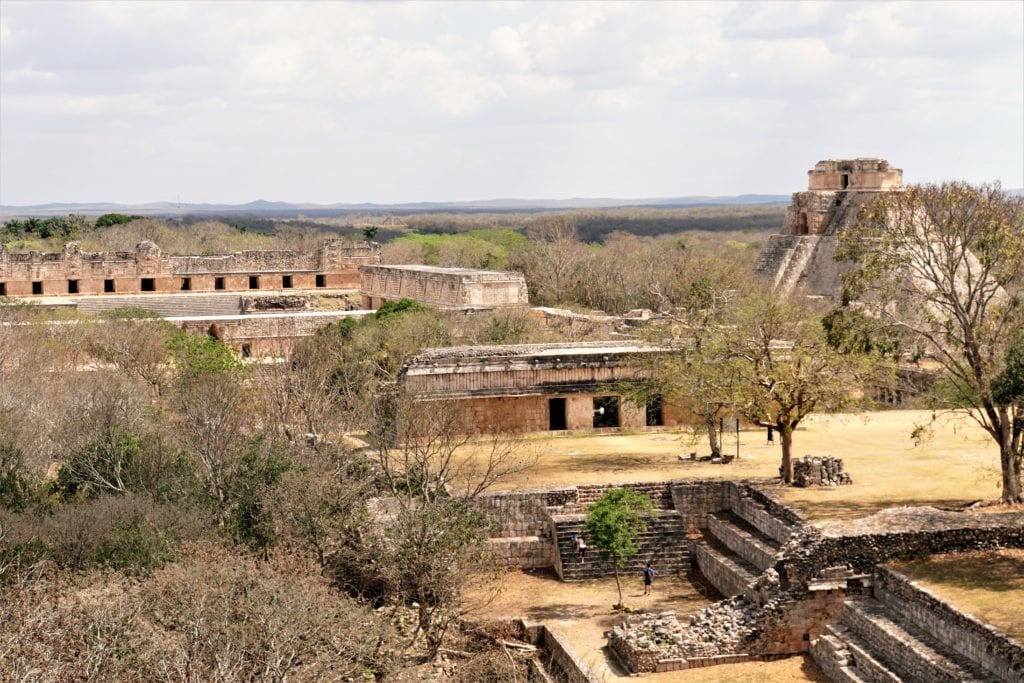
908 652
742 539
663 544
857 656
767 525
833 658
729 573
167 306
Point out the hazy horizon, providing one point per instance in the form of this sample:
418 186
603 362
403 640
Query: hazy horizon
326 103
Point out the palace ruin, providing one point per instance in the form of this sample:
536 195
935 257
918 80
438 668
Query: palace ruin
334 265
446 288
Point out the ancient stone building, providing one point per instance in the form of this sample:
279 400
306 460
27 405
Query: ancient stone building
147 270
457 288
802 258
538 387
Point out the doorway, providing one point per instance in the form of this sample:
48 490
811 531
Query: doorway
606 411
556 414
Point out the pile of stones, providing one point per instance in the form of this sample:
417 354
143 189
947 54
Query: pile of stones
715 630
824 471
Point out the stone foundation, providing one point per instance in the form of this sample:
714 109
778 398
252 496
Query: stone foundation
814 471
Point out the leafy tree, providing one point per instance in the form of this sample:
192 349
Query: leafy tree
943 266
614 522
783 369
109 219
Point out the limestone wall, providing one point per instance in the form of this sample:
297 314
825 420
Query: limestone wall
981 643
333 266
441 287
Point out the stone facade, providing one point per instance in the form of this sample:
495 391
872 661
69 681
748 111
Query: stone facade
456 288
148 270
539 387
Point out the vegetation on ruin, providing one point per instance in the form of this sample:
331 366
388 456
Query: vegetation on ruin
943 266
614 523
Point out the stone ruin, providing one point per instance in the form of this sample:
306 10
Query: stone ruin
819 471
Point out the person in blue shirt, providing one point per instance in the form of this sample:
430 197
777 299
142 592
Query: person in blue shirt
648 578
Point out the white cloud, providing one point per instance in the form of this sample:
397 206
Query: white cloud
449 88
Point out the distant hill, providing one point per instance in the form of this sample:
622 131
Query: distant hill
284 209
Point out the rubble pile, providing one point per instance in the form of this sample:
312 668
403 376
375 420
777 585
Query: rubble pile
819 471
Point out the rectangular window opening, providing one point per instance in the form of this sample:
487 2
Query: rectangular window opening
218 283
37 287
108 286
321 281
186 284
246 351
655 412
556 414
3 289
606 411
148 284
286 281
254 282
72 286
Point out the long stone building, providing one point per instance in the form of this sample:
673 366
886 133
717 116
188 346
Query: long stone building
539 387
801 259
453 288
334 265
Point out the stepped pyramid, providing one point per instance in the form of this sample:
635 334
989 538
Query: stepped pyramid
801 259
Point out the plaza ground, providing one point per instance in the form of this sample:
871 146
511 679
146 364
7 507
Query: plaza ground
957 464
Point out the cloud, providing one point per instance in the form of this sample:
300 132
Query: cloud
483 100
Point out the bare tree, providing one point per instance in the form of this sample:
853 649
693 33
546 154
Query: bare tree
943 266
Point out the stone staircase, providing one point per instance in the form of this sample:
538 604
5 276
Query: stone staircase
873 642
739 545
166 306
774 254
663 545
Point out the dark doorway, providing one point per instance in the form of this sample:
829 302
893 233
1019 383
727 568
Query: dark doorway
246 351
218 283
72 286
286 281
148 284
606 411
254 282
845 181
655 412
37 287
321 281
556 414
3 289
186 284
801 228
108 286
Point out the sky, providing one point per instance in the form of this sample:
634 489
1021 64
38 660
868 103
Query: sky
328 102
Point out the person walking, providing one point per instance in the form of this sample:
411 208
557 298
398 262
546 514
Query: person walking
648 578
581 547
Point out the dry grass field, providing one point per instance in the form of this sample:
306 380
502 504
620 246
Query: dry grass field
957 464
986 584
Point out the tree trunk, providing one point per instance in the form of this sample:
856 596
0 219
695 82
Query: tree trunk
709 423
1010 464
786 439
617 584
